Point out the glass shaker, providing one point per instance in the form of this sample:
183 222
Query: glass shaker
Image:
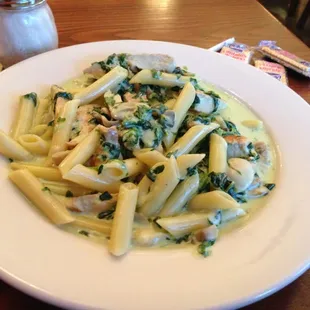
27 28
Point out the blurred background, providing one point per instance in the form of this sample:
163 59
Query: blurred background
294 14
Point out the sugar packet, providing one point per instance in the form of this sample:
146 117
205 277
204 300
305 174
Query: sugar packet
275 70
238 51
289 60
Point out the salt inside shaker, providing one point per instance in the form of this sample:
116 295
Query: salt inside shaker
27 28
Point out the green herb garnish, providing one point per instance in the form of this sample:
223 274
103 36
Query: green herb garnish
69 194
45 189
270 186
152 173
64 95
84 233
191 171
105 196
108 215
61 119
32 97
100 168
204 248
156 74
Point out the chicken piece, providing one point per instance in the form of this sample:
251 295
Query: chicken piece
206 103
93 203
95 71
83 124
207 234
131 97
109 149
159 62
125 109
167 119
237 146
58 157
263 151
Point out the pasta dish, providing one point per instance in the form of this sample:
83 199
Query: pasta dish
139 152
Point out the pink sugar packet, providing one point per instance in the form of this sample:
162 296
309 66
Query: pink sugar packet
275 70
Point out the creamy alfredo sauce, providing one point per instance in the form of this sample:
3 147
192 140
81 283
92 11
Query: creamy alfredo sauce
237 112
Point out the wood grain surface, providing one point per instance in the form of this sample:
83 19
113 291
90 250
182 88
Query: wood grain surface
201 23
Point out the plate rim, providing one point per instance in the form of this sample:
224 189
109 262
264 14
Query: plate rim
56 300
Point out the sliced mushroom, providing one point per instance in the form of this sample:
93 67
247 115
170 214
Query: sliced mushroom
257 192
237 146
92 203
110 134
95 71
206 103
241 172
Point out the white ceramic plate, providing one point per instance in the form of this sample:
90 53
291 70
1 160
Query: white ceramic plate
247 264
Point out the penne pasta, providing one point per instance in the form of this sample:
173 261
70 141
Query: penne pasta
218 154
161 189
183 224
122 225
232 214
11 149
62 129
57 158
46 173
25 114
253 124
144 188
105 83
149 156
188 161
41 197
146 76
212 201
139 152
190 139
116 170
90 178
180 196
34 144
101 226
180 109
43 131
66 188
82 152
44 112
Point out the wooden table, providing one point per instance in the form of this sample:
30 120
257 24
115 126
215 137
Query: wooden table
202 23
